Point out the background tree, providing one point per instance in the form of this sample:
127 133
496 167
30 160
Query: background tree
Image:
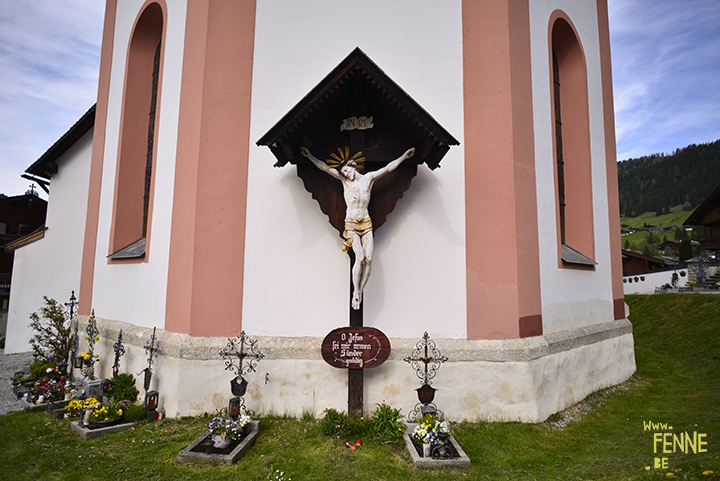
52 329
680 234
657 182
685 251
653 239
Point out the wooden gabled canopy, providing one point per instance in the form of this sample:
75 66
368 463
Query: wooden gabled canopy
358 88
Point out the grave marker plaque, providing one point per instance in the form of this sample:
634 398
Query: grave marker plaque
355 348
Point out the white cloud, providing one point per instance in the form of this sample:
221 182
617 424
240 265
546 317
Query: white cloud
666 69
666 74
49 61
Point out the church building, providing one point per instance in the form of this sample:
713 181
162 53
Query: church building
499 237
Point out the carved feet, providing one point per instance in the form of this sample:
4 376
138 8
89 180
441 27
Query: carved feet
356 300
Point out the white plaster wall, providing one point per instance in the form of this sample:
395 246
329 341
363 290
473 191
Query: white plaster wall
137 292
570 298
468 390
297 280
51 266
646 283
496 391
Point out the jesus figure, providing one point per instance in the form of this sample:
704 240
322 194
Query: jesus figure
358 232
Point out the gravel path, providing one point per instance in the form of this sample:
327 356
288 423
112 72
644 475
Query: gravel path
9 365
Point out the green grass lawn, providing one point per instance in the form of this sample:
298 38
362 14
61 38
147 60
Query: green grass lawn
676 217
677 383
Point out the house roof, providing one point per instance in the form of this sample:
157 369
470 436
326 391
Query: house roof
712 202
37 234
357 73
652 259
46 165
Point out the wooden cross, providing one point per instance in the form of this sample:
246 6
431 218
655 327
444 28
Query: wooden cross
355 376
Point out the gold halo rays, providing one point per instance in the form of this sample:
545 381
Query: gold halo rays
344 156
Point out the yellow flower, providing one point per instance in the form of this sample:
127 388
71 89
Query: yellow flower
708 472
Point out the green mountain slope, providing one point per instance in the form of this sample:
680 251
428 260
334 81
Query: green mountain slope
656 182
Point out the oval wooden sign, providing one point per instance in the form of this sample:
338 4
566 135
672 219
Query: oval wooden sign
355 347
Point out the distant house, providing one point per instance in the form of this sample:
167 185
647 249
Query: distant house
634 263
707 215
20 215
673 244
47 262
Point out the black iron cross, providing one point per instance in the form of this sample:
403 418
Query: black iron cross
151 349
245 350
426 352
119 351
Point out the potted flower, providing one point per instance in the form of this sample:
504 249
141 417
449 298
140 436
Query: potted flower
47 390
94 413
88 359
224 430
430 433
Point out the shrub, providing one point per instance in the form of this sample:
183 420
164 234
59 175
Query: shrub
52 338
43 368
123 388
135 413
332 423
386 424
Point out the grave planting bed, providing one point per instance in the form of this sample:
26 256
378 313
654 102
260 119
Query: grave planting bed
201 450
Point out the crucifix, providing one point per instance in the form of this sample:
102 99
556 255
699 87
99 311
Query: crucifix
358 119
358 231
358 235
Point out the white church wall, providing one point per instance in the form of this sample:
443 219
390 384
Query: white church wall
570 298
296 276
137 292
51 266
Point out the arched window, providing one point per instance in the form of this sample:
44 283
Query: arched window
572 147
133 184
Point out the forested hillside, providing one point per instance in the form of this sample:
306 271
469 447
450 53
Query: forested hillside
656 182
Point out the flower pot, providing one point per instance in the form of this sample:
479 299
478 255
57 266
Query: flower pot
426 450
220 442
105 424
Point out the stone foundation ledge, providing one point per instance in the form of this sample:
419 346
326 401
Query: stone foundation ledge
195 348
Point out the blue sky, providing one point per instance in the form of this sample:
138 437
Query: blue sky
666 75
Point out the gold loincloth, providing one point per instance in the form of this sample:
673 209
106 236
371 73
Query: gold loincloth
359 226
